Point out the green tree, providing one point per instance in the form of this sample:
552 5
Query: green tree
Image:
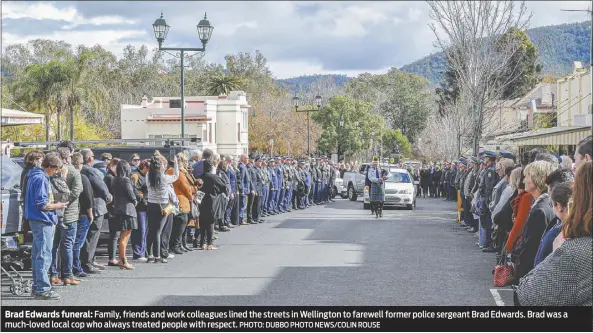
406 108
395 142
347 126
523 66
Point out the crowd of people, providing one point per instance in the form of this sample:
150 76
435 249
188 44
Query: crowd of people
535 213
164 206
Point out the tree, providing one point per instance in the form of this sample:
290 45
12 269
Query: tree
394 142
354 134
406 108
523 62
471 44
223 84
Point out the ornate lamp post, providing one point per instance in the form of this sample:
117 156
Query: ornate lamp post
161 29
296 102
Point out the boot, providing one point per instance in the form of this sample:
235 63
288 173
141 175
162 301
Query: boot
123 264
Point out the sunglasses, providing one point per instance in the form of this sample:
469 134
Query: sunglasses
136 160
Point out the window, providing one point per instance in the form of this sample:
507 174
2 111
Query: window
397 177
238 132
209 132
204 133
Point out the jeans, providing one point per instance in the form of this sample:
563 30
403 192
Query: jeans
487 220
229 210
64 239
139 237
41 255
482 232
242 207
83 227
179 224
166 235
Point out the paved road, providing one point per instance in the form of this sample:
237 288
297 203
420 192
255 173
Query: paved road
332 255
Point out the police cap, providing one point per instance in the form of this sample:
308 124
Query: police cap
475 160
506 154
489 153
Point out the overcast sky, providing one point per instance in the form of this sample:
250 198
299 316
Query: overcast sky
297 37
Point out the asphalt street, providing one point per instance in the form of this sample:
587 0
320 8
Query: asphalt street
337 254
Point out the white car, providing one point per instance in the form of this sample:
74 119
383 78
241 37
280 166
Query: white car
339 189
399 190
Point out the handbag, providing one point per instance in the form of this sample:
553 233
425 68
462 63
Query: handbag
504 275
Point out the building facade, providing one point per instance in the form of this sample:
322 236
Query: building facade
216 122
574 97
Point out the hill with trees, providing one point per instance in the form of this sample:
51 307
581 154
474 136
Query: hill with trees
557 47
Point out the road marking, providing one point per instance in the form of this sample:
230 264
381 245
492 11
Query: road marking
497 299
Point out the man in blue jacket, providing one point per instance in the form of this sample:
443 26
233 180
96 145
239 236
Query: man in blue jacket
246 188
230 172
40 212
270 205
280 186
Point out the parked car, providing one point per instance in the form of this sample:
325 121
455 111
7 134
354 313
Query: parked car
340 189
12 211
400 190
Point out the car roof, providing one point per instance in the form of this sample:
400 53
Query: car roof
398 170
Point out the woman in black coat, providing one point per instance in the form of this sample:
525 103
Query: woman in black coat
124 212
114 231
425 181
212 187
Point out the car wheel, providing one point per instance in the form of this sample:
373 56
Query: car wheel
352 193
334 192
366 205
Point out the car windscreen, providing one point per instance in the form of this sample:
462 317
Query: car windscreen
398 177
11 173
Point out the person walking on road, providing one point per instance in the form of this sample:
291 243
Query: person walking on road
377 189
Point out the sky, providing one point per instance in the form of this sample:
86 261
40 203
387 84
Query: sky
297 37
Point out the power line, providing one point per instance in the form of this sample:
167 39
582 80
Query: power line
570 107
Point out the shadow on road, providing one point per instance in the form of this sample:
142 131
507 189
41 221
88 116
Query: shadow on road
416 261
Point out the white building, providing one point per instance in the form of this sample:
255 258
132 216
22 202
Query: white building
574 97
218 122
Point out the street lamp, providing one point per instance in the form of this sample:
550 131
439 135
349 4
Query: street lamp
296 102
161 29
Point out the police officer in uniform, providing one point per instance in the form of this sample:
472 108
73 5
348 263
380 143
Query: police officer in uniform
271 204
256 210
260 162
489 180
252 197
280 184
333 173
313 192
468 185
306 168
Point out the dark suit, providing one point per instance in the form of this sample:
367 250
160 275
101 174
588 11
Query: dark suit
253 199
101 195
230 216
245 188
539 217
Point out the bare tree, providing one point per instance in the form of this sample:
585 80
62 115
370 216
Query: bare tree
469 33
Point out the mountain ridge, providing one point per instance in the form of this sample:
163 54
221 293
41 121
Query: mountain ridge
558 46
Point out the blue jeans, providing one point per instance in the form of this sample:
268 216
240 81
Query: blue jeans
242 207
64 239
41 255
81 231
139 237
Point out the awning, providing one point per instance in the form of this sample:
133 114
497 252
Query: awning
555 136
16 117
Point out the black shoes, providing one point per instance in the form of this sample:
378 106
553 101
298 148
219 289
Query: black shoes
177 251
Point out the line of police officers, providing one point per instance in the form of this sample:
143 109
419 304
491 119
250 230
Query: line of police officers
282 184
475 178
